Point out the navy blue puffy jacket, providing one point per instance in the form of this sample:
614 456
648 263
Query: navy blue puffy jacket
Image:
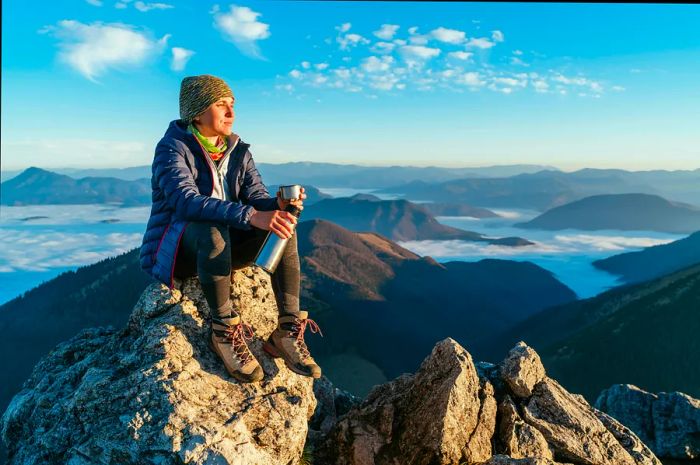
182 183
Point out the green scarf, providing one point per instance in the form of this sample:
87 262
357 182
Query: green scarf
211 148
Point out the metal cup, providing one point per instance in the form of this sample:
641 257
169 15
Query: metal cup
291 192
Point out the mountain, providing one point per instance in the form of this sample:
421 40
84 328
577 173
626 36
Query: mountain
401 304
375 177
622 212
655 261
151 391
341 271
458 209
644 334
548 189
36 186
399 220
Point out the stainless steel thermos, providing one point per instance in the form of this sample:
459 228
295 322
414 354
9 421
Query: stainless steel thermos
272 249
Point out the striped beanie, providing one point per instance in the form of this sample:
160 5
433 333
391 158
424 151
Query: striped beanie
198 92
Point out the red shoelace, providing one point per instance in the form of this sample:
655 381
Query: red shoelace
238 335
298 332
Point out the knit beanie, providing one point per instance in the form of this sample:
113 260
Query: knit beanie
198 92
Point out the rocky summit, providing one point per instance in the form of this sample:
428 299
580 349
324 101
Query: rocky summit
153 392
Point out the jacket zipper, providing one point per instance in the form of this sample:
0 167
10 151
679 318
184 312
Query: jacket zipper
214 169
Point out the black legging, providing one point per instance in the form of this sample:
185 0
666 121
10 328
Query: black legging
212 250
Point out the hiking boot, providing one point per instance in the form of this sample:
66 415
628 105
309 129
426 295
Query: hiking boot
228 340
287 342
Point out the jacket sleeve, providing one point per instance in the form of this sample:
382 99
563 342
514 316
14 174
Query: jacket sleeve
174 177
254 191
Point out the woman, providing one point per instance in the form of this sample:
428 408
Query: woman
211 213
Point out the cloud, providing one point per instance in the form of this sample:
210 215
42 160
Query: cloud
517 52
94 2
482 43
581 81
450 36
386 31
610 243
460 55
93 49
180 58
350 40
373 64
419 52
144 7
540 86
383 47
471 78
345 27
497 36
517 61
240 25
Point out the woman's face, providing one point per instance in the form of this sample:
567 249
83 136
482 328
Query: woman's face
217 120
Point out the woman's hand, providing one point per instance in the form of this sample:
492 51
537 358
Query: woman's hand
299 203
279 222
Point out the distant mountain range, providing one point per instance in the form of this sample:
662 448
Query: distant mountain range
399 220
620 211
653 262
548 189
516 186
35 186
356 284
644 334
326 174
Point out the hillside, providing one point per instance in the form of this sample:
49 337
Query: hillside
399 220
622 212
655 261
644 334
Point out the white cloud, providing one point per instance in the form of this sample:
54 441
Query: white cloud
517 52
295 73
472 79
350 40
508 81
321 66
144 7
540 86
374 64
618 88
460 55
497 36
345 27
419 51
418 39
482 43
517 61
450 36
241 26
383 47
93 49
180 58
120 5
386 31
94 2
305 64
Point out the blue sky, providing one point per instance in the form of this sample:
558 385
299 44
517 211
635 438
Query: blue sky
95 83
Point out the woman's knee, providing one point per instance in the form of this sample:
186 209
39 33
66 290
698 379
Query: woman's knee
212 238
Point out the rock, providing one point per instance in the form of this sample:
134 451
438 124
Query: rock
669 423
522 370
573 431
519 439
427 418
154 393
479 446
506 460
332 403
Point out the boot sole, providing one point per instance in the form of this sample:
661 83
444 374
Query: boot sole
240 377
274 352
